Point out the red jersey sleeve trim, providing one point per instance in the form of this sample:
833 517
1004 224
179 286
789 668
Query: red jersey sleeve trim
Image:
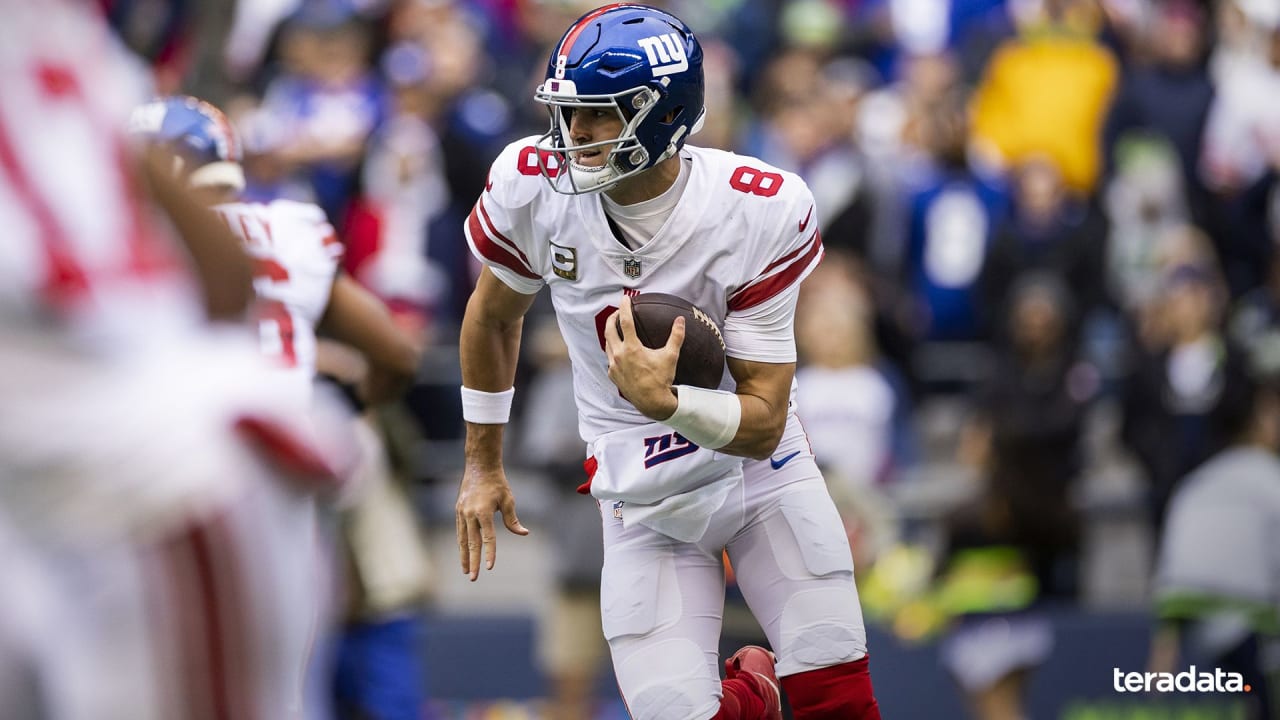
499 237
788 269
490 250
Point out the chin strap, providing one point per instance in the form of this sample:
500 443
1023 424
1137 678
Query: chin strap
588 179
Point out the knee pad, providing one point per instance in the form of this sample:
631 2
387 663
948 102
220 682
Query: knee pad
667 680
821 624
821 627
660 679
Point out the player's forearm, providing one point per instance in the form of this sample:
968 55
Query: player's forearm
488 350
763 392
741 423
223 267
489 342
383 385
359 319
760 429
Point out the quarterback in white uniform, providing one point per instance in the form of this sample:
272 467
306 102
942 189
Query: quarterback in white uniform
608 204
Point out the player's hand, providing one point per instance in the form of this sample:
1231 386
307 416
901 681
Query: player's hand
483 492
643 375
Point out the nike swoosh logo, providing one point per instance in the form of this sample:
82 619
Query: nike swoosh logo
805 222
778 463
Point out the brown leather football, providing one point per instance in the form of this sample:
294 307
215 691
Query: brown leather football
701 362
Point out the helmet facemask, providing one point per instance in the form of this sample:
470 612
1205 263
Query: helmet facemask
626 155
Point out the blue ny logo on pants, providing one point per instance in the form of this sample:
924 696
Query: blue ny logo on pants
661 448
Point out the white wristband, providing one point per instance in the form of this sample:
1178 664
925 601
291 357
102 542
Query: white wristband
707 418
486 408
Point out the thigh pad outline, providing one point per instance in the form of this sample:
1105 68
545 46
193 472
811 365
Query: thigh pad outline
818 531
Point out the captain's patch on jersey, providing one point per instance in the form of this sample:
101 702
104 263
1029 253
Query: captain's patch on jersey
564 261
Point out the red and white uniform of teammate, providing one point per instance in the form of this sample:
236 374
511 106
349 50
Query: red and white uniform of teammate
131 466
296 258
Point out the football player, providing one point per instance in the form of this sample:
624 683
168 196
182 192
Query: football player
611 202
296 254
299 285
143 453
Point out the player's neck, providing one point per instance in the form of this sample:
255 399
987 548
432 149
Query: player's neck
647 185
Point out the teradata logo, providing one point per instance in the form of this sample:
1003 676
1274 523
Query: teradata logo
1189 680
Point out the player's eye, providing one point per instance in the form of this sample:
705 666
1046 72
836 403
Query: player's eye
589 113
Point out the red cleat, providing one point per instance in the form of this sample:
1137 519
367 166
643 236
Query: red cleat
756 663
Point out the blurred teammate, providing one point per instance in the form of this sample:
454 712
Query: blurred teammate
300 291
296 256
609 203
143 454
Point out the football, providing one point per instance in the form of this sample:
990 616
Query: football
701 362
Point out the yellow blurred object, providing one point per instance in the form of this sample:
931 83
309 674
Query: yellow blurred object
1046 94
902 574
990 579
919 620
901 592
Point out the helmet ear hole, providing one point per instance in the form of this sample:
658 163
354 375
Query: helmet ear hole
671 117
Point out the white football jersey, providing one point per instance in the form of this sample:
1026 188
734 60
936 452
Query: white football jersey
296 255
742 236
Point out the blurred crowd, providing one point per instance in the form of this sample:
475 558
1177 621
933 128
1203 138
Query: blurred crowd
1050 230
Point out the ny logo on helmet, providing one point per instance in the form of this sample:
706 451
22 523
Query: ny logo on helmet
666 54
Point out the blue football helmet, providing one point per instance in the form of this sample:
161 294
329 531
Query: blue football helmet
637 61
202 140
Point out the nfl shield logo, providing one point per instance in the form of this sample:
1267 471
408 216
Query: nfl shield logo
617 510
631 268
